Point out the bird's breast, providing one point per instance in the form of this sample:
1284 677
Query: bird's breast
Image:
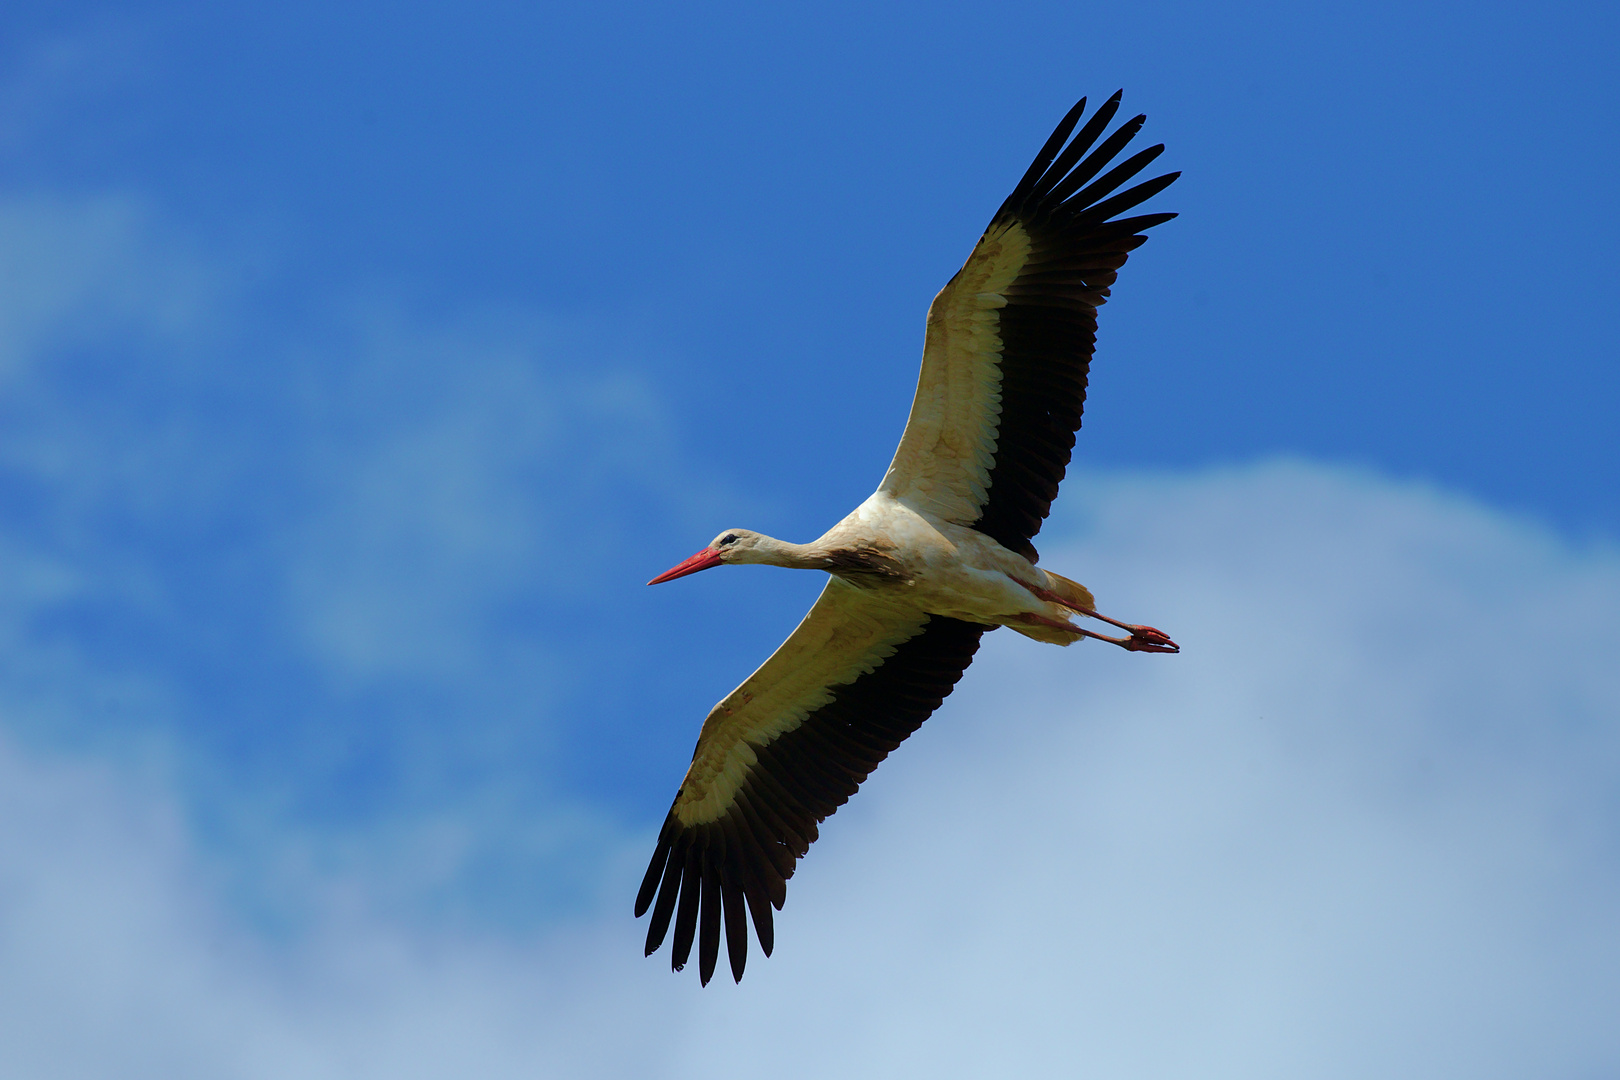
939 567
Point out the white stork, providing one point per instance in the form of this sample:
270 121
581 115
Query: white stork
939 554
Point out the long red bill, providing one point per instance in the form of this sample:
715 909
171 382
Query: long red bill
701 561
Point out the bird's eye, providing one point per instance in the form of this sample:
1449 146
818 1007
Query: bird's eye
729 538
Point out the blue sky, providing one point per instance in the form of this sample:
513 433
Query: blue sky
357 366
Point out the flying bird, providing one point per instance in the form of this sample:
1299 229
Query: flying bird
938 555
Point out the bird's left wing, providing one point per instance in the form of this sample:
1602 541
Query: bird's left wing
781 753
1009 342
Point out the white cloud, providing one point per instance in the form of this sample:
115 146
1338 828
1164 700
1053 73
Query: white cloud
1363 825
1359 827
74 270
309 557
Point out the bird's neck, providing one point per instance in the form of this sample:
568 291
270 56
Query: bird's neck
774 552
861 562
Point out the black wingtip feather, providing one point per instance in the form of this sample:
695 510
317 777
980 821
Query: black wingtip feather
1141 193
1048 167
1072 153
759 907
1115 177
709 916
736 920
686 914
1053 200
667 891
655 872
1049 150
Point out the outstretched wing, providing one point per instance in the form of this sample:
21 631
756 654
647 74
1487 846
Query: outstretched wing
1010 337
781 753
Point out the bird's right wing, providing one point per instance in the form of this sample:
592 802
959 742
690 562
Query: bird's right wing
781 753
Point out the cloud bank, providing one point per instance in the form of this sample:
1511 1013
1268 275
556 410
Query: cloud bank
1364 825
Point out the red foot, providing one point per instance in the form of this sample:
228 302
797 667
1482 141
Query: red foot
1147 639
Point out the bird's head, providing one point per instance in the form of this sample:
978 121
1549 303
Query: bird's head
731 546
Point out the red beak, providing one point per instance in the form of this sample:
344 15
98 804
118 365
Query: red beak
701 561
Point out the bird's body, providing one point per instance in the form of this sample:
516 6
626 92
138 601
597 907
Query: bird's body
903 555
938 555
